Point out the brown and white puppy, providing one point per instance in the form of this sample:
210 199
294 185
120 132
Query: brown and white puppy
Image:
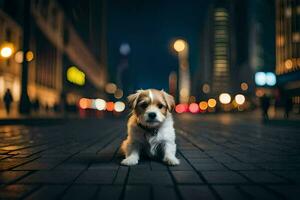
150 127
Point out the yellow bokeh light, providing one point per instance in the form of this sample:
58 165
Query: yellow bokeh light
212 103
288 64
203 105
29 56
74 75
118 94
179 45
7 49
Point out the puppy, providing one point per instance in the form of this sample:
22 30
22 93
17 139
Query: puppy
150 127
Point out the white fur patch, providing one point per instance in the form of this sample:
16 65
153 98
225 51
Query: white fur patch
151 95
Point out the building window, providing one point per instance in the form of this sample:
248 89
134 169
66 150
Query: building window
8 35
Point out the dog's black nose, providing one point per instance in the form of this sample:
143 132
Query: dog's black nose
152 115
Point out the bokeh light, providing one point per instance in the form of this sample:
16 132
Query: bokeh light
84 103
225 98
124 49
100 104
203 105
205 88
270 79
193 108
212 103
110 106
29 56
110 88
19 56
181 108
7 49
179 45
119 106
260 78
239 99
118 94
76 76
244 86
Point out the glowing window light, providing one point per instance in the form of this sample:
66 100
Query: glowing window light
212 103
100 104
29 56
181 108
110 106
179 45
193 108
225 98
7 49
119 106
74 75
270 79
288 64
239 99
19 56
203 105
260 78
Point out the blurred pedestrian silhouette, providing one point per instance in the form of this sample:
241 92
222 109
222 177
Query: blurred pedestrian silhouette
265 104
36 105
8 99
288 106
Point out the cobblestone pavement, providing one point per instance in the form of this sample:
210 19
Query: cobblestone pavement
221 158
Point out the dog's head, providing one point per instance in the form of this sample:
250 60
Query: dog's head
151 106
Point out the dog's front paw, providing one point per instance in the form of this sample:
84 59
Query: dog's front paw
129 161
171 161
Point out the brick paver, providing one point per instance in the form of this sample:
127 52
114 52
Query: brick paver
221 158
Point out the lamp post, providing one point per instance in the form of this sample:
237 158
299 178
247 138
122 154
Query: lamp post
24 106
181 47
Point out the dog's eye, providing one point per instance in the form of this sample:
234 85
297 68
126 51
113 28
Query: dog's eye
144 105
160 106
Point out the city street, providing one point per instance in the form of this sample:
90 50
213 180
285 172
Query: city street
228 156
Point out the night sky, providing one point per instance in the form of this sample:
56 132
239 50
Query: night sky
149 27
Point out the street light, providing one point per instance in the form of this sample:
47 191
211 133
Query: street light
179 45
7 50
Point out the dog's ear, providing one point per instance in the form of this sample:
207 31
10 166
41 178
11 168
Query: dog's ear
169 100
133 99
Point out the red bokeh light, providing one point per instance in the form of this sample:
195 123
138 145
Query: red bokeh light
110 106
181 108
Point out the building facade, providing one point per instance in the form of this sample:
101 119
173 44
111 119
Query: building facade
55 46
288 47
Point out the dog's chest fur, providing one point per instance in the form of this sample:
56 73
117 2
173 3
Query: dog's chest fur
153 142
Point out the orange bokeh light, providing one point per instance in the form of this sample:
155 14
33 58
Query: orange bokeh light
110 106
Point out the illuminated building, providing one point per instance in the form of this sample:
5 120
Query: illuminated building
288 46
10 72
218 51
55 46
